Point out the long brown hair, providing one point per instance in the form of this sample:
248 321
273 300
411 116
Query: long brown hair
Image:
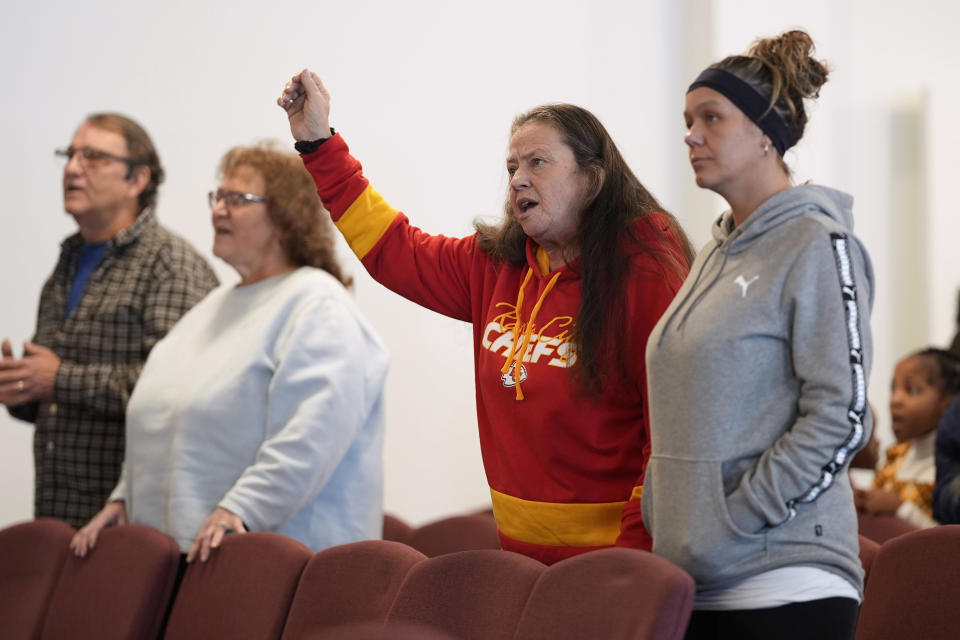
306 233
615 202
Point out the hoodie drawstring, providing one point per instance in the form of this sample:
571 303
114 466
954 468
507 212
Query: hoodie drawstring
516 355
706 288
693 287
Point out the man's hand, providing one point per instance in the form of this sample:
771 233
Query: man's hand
307 103
29 378
7 398
214 529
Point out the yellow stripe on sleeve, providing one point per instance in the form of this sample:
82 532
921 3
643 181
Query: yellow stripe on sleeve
365 221
557 524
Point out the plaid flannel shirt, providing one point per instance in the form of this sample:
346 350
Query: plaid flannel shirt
147 279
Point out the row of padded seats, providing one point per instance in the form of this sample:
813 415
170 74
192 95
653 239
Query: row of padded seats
264 586
479 531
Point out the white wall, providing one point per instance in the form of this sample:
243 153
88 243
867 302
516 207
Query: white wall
424 92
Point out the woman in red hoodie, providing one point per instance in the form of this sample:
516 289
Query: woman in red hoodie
561 295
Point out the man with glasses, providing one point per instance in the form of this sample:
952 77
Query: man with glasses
122 281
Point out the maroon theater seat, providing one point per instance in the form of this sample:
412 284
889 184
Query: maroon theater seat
31 556
456 533
120 590
395 529
881 528
913 587
346 585
243 591
615 594
473 595
379 631
868 551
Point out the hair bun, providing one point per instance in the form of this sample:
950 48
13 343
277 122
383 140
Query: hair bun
792 54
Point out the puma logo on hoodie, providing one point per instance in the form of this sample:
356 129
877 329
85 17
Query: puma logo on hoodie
744 284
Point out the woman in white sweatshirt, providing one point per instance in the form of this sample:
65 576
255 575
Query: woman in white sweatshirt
262 410
758 370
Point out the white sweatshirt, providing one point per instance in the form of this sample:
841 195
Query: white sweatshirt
266 400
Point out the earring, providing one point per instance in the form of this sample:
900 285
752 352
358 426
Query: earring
766 148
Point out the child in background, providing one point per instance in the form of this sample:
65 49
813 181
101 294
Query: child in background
924 385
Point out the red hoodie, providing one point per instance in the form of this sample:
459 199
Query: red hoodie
565 469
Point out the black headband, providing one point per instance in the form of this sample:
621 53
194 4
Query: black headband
748 100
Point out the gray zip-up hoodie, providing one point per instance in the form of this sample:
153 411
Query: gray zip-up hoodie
757 378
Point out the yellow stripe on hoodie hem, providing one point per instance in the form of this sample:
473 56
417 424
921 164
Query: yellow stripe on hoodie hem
365 221
556 523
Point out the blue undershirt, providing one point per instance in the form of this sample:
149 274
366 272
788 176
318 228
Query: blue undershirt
90 257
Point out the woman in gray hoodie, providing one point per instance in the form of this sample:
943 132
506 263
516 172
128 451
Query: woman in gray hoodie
758 369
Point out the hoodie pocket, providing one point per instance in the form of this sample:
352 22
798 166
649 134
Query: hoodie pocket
691 524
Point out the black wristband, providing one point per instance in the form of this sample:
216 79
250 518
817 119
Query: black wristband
309 146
